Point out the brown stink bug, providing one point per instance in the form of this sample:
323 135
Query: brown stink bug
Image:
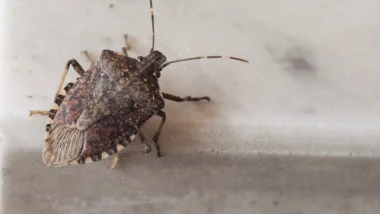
102 111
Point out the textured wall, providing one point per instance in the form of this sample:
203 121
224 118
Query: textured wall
311 85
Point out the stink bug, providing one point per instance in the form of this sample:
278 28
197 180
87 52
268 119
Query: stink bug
103 110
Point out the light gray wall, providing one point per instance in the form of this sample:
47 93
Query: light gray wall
311 85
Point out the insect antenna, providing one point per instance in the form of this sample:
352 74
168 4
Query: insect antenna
152 17
205 57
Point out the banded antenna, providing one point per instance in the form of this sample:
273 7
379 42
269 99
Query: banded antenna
187 59
205 57
153 33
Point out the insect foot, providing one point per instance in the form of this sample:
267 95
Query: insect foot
147 148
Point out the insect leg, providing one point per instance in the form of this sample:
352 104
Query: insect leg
182 99
128 154
147 149
33 112
118 156
114 162
158 132
85 53
77 67
126 47
60 94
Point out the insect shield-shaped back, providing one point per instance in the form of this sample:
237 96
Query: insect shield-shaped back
103 110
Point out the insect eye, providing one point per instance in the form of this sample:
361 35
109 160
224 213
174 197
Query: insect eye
157 53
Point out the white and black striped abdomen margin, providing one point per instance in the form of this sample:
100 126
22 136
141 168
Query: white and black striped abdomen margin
120 145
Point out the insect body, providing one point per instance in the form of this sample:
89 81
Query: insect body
103 111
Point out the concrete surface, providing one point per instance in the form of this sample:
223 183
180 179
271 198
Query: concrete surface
197 183
311 89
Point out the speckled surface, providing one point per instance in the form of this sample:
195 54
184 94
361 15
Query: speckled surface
311 88
196 183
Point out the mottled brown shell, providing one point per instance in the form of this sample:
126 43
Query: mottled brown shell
101 112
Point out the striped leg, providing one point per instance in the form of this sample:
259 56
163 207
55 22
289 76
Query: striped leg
77 67
180 99
33 112
126 47
60 94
